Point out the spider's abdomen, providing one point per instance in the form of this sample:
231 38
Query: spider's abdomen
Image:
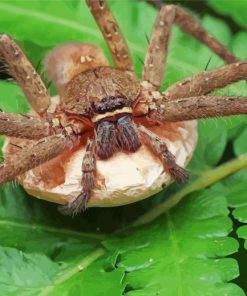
99 90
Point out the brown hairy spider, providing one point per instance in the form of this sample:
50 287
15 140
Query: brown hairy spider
107 108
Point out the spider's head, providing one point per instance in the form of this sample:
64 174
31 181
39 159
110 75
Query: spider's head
110 107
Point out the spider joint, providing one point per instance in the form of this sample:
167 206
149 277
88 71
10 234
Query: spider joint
55 123
68 131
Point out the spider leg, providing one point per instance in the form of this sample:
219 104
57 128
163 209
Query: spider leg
199 107
157 50
112 34
207 81
88 171
40 152
23 126
159 147
24 73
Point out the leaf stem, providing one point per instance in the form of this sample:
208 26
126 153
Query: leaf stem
54 230
206 179
80 266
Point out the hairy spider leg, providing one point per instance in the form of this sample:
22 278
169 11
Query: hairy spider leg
160 148
113 36
191 102
158 46
128 138
110 136
25 74
106 139
207 81
88 175
23 126
41 151
199 107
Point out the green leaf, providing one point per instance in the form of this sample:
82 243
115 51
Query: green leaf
38 255
214 135
242 233
94 281
239 44
234 188
59 21
240 144
22 217
237 9
35 274
24 274
12 98
181 253
211 144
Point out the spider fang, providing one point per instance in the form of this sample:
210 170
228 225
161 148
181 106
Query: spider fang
113 136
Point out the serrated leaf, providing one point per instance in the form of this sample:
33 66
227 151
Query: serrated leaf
181 254
234 188
35 274
93 281
242 233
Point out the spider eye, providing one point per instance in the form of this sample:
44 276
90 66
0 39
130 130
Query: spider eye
109 104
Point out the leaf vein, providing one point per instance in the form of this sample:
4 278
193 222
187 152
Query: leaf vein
175 246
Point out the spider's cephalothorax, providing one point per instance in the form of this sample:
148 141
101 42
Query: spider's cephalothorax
106 107
105 95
